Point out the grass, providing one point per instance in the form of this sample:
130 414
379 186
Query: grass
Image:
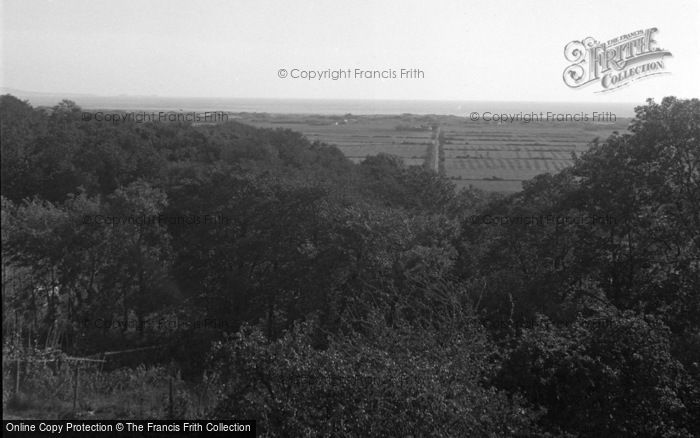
126 393
487 155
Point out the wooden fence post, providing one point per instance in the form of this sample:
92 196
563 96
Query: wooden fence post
75 385
170 399
17 377
18 345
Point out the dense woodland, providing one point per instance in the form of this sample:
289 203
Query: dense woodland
341 299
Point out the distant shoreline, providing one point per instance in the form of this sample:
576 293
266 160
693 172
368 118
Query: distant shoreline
315 106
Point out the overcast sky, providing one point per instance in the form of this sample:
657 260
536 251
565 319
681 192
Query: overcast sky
468 50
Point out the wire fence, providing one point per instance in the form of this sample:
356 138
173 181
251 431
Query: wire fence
79 387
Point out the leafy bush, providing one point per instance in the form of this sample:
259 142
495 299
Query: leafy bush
602 376
396 382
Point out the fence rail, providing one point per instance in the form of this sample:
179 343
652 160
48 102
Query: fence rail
75 364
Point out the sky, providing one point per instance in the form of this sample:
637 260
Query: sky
467 50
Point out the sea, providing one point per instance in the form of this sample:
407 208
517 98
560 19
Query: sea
326 106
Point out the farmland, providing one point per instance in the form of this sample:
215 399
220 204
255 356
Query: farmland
494 156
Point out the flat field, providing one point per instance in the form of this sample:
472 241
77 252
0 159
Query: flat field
494 156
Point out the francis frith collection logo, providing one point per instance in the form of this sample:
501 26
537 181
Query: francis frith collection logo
614 63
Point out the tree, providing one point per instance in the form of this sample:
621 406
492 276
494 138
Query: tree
396 381
608 375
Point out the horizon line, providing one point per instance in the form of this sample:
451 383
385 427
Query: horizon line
11 90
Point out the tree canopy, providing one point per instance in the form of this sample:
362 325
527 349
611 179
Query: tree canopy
332 298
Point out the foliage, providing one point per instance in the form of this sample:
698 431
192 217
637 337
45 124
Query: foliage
399 381
611 375
581 301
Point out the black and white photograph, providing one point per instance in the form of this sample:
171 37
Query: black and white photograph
366 218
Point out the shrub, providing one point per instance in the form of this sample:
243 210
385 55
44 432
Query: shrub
604 376
396 382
